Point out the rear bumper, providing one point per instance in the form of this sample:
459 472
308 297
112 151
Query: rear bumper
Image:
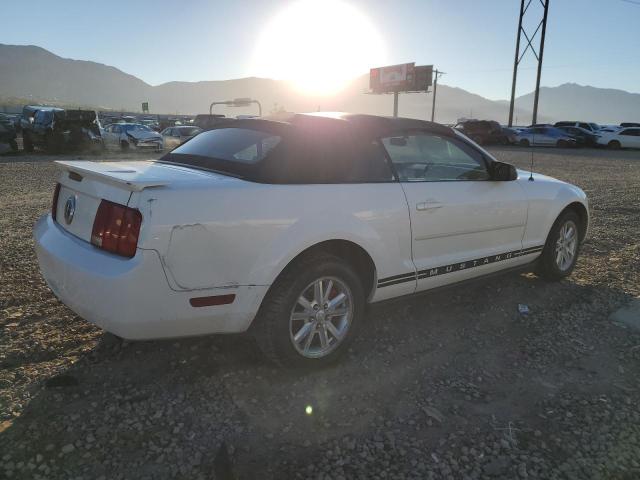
131 297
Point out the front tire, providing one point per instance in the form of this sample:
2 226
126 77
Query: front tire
311 314
524 142
561 250
614 145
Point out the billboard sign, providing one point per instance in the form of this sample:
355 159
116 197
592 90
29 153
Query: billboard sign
423 77
405 77
394 78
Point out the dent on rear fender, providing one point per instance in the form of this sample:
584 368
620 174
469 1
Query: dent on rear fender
189 260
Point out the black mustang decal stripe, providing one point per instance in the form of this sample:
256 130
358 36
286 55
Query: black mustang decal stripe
456 267
398 277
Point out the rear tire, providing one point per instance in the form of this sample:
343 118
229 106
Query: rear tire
561 144
524 142
561 250
614 145
290 310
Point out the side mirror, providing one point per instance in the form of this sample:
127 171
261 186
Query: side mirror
503 172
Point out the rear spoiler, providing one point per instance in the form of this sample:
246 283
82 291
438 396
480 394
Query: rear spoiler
125 176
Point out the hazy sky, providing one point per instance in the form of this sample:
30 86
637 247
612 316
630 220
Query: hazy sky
592 42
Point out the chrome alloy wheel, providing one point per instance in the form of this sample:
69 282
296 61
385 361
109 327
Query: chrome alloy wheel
566 245
321 317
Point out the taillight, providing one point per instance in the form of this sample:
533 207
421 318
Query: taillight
54 202
116 228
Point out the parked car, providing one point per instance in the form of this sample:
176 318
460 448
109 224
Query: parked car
56 130
593 127
545 136
583 137
8 134
512 134
127 135
26 119
629 124
174 136
625 138
290 228
484 132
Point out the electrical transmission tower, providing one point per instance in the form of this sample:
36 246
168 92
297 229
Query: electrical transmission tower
538 54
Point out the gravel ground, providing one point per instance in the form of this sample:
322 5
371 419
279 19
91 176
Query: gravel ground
454 385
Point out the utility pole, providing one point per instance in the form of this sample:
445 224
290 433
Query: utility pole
435 90
518 57
515 66
542 35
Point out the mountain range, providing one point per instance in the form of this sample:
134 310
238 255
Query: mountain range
33 73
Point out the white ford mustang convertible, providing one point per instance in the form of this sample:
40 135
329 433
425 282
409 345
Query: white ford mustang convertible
290 228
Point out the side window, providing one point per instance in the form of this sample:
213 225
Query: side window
324 151
116 129
427 157
626 132
586 126
370 163
39 117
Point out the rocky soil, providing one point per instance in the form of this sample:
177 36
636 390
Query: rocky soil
452 385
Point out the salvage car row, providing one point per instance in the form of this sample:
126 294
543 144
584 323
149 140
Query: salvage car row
58 130
561 134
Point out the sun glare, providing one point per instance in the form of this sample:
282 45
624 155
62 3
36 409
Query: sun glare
319 45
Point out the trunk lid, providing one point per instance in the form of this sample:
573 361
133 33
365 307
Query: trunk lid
84 184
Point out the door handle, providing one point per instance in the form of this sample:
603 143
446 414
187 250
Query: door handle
428 205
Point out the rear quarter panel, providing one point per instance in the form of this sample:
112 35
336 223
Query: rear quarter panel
243 233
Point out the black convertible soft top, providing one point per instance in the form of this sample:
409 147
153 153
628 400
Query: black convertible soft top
322 147
376 125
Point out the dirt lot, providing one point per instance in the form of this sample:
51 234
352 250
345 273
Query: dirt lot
454 385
